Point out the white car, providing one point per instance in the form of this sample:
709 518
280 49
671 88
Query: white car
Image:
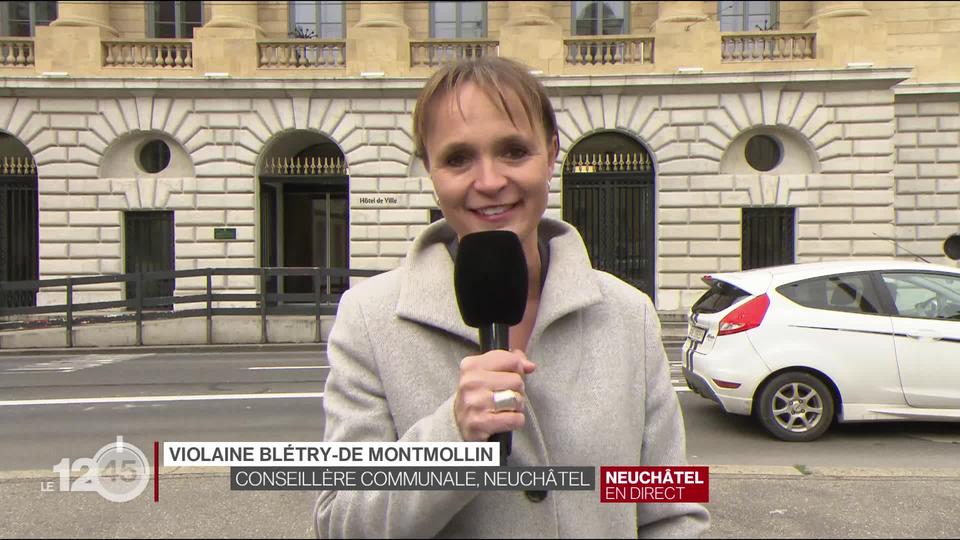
800 345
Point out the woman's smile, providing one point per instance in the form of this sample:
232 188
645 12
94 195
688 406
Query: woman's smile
489 168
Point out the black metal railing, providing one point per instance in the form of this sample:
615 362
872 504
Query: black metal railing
321 301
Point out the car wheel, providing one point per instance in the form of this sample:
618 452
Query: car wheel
795 407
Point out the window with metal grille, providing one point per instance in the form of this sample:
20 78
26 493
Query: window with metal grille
320 20
19 19
149 247
174 18
453 20
767 237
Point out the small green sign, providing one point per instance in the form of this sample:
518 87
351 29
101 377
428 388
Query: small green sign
225 233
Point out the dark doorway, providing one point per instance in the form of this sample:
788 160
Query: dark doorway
19 225
149 247
608 195
305 218
315 234
767 237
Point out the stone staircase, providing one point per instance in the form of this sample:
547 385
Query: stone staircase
673 326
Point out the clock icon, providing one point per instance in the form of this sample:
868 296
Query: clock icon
123 471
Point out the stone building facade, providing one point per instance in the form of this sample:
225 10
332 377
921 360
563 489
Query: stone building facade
237 140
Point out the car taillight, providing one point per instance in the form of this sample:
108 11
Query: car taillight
745 317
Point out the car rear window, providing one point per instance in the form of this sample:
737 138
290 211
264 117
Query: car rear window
848 292
719 297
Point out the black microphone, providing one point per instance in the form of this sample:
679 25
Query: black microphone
490 279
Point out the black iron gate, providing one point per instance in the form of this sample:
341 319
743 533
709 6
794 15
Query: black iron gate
610 200
18 237
149 238
767 237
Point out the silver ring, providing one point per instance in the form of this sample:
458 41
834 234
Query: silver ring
505 400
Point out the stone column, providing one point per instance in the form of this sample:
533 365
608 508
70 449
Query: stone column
682 32
679 12
380 42
531 36
381 14
227 43
87 14
830 9
233 14
847 33
73 42
532 13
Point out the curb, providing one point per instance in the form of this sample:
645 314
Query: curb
215 348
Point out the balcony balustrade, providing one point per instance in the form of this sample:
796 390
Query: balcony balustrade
608 50
435 52
15 52
306 166
148 53
17 166
178 55
767 46
302 54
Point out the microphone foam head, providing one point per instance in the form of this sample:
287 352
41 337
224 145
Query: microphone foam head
490 278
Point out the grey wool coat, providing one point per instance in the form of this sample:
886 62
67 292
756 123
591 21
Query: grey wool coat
601 395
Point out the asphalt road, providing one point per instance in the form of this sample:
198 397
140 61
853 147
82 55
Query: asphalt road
70 406
60 406
879 480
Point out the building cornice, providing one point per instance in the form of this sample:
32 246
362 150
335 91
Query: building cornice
927 91
65 86
858 78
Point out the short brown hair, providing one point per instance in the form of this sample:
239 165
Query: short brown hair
496 77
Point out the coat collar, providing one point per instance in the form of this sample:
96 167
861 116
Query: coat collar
427 294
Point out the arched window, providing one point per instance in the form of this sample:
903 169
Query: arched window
600 18
769 150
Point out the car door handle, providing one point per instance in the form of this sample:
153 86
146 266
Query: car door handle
924 335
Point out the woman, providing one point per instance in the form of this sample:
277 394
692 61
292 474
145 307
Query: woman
587 367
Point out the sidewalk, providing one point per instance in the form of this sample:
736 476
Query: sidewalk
673 325
216 348
769 502
835 504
